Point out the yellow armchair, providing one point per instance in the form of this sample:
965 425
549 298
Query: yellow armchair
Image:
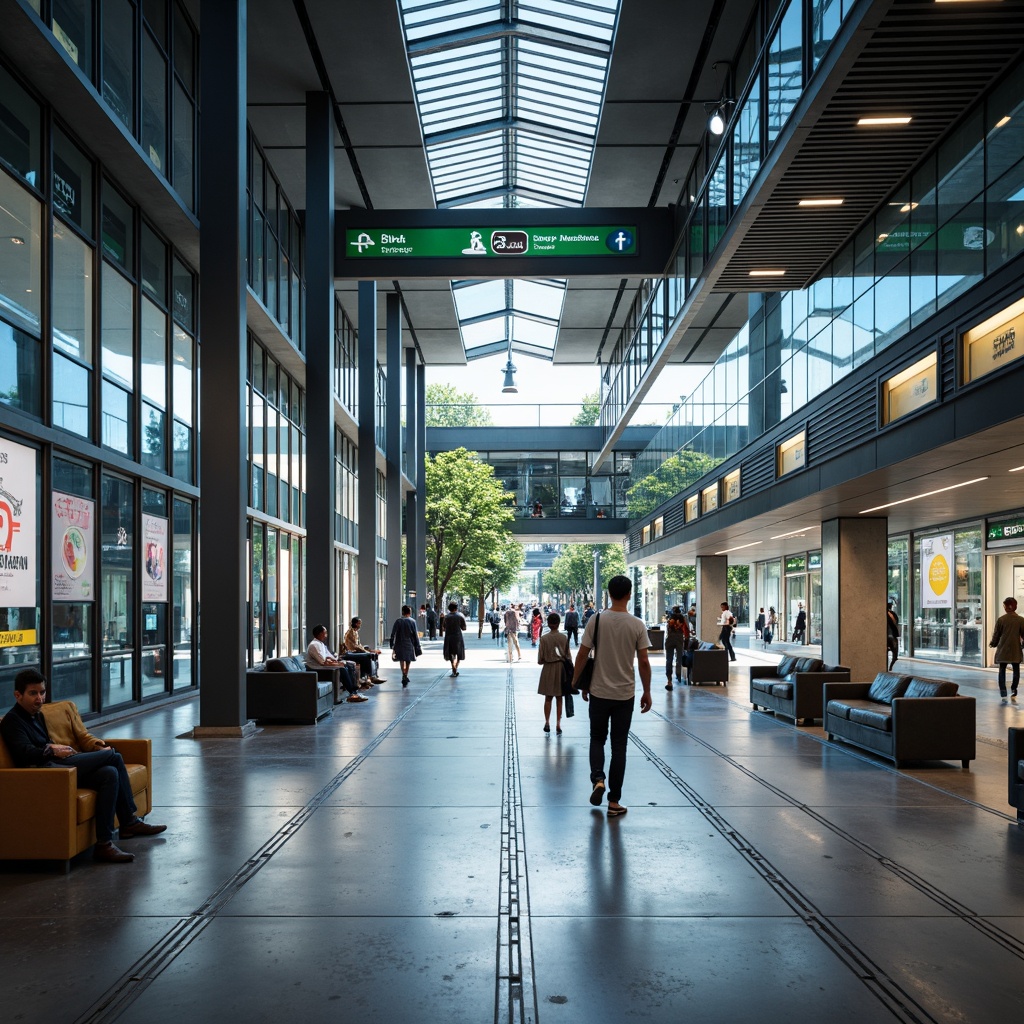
44 815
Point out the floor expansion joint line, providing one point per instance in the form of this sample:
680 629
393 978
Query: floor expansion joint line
120 996
938 896
898 1002
515 1000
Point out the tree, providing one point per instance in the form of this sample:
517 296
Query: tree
572 572
590 411
447 407
467 512
499 572
674 475
679 579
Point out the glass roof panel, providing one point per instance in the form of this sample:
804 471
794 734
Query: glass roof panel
509 120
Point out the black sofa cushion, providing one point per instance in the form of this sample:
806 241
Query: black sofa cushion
808 665
887 686
707 645
288 664
784 691
878 716
785 666
921 687
763 685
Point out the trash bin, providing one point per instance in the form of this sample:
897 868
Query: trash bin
656 636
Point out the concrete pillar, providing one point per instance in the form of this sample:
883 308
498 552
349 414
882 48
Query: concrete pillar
223 469
393 458
321 565
366 606
711 592
853 594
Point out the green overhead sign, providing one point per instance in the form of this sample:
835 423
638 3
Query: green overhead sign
1006 529
478 243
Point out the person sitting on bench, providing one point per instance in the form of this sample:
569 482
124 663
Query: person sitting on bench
318 653
364 657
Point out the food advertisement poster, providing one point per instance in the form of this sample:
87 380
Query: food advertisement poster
18 527
937 571
154 558
74 520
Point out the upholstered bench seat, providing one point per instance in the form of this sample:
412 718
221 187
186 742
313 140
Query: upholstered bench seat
793 687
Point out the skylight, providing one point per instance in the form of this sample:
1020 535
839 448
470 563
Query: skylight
509 95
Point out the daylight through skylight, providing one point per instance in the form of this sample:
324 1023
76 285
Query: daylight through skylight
509 96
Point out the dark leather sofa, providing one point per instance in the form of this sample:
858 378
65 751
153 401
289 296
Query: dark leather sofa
1015 763
793 687
903 718
285 690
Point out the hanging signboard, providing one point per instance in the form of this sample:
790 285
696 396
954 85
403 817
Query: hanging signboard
72 570
18 529
154 558
937 571
476 242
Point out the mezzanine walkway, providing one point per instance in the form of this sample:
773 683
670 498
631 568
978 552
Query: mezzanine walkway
431 855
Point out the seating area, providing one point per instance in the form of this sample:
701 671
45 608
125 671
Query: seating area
793 687
286 690
55 819
904 718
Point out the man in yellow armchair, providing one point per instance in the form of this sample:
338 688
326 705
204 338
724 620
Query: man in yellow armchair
100 767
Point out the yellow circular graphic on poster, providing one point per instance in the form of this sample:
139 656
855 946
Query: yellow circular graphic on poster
938 575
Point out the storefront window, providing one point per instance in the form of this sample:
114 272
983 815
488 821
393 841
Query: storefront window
117 590
20 132
947 623
898 585
181 610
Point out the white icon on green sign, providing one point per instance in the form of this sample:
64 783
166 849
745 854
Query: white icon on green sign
476 245
363 241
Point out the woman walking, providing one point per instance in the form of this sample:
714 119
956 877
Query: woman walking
454 645
405 642
1007 639
535 626
770 626
892 632
553 650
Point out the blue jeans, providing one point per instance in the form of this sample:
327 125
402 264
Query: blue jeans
104 771
1002 677
616 715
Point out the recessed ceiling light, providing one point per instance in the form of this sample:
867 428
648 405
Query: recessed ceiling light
927 494
739 547
793 533
1016 469
1020 229
767 273
871 122
1003 121
821 202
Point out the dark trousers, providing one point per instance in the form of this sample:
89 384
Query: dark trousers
573 634
367 662
1015 665
678 650
494 632
725 639
104 771
616 715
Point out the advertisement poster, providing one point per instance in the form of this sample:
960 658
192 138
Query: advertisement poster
154 558
18 529
73 550
937 571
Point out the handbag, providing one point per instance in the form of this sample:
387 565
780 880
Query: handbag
583 683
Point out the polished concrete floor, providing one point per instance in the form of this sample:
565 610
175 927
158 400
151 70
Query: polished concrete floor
432 855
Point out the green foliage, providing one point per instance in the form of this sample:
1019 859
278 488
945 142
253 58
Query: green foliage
447 407
499 572
737 579
674 475
590 411
467 514
572 572
679 578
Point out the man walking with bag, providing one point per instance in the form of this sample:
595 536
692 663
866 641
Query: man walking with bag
616 637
